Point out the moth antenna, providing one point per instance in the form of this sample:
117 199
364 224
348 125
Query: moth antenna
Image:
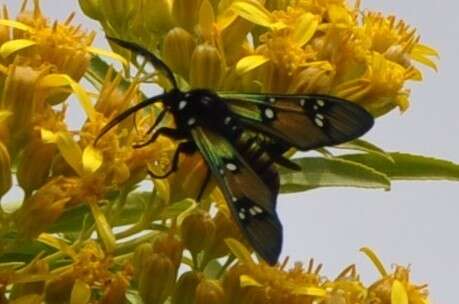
119 118
157 63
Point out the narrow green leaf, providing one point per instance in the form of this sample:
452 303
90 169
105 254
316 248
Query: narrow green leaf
213 269
176 209
364 146
409 166
97 72
331 172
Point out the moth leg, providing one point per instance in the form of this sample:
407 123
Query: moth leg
204 185
287 163
183 147
169 132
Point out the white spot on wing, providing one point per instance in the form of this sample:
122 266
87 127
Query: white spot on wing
272 99
320 102
191 121
182 104
227 120
241 215
302 102
205 100
269 113
258 209
231 167
319 122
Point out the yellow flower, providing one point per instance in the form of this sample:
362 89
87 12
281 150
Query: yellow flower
394 288
288 47
250 282
46 205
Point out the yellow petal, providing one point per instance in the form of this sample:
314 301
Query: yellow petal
305 29
59 80
70 151
206 18
424 60
310 291
248 281
103 228
108 54
425 50
68 148
4 115
81 293
226 19
92 159
239 251
256 13
57 243
13 46
249 63
48 136
17 25
398 293
376 261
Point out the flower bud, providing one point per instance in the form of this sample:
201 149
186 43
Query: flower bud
5 170
19 98
198 231
116 291
206 68
209 292
45 206
232 283
178 49
186 13
92 8
169 245
225 228
142 254
119 13
312 80
58 290
156 280
35 164
185 291
157 15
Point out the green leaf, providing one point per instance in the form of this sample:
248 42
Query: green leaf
133 297
331 172
21 250
213 269
409 166
97 72
364 146
71 220
176 209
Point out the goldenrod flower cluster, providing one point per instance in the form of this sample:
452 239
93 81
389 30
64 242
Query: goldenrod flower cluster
290 46
83 234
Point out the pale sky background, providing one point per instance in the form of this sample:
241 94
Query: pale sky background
415 223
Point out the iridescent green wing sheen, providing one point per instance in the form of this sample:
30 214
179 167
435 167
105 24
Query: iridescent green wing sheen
303 121
251 201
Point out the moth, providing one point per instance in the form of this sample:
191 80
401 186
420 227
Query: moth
242 138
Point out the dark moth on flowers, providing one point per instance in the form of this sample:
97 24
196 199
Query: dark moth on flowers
242 137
